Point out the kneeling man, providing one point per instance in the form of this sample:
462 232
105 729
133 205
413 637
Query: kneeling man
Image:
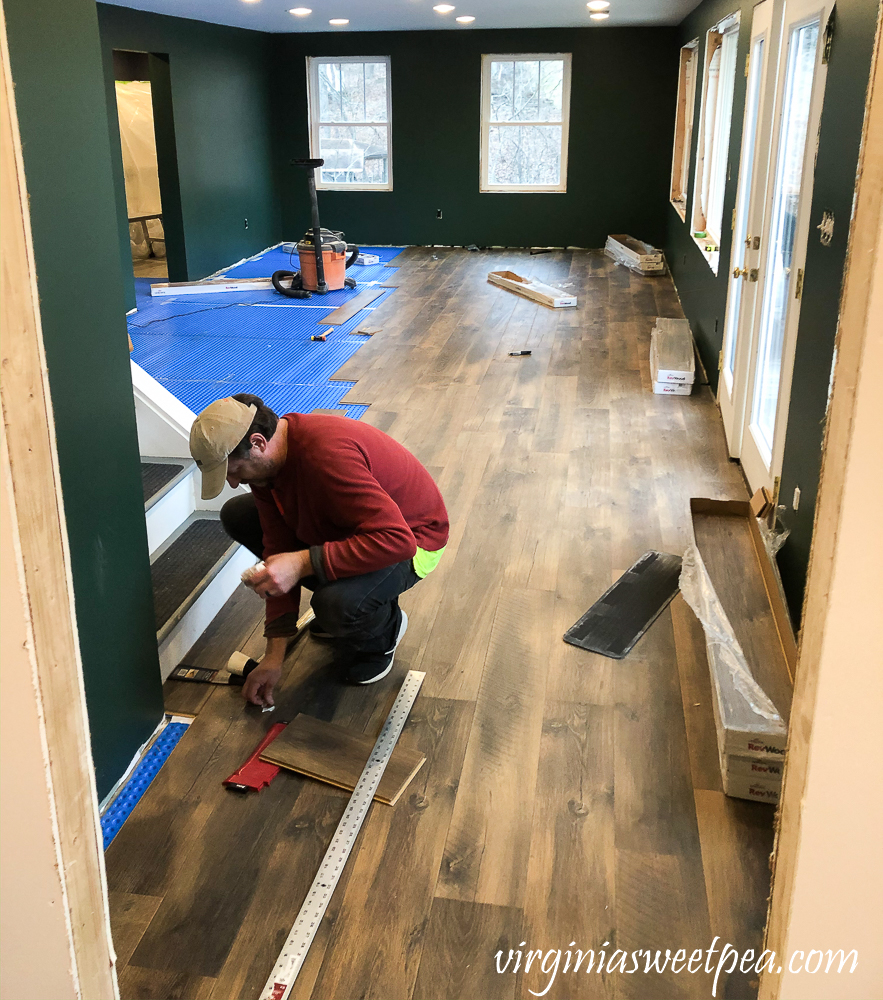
335 505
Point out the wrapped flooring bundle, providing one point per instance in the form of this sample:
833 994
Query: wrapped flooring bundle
635 254
729 582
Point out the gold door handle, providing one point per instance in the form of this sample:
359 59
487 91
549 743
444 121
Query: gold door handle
740 272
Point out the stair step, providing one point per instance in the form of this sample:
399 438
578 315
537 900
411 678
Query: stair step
159 476
186 567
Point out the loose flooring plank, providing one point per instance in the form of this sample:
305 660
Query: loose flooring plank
350 308
488 845
130 915
459 956
337 756
398 859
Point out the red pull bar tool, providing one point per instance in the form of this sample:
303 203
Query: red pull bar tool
256 773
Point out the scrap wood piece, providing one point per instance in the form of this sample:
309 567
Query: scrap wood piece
369 331
337 756
546 295
350 308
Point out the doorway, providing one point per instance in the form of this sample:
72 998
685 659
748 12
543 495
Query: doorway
786 80
134 99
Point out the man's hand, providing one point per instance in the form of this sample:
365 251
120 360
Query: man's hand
258 687
281 573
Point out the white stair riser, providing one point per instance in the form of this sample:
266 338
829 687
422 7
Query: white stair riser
204 608
171 511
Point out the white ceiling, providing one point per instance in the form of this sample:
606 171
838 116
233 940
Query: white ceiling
411 15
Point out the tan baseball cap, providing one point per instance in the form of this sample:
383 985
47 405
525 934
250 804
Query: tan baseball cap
214 434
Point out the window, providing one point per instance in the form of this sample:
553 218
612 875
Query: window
714 137
525 107
349 104
680 158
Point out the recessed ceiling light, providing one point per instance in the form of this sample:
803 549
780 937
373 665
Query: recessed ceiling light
339 20
599 16
300 11
444 8
598 4
466 19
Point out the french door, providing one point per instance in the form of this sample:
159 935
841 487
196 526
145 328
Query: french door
772 225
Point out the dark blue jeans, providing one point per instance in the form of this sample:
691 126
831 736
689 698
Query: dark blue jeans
361 613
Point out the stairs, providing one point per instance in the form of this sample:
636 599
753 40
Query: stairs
194 565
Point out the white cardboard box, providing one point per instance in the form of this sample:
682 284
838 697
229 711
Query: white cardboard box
671 388
672 356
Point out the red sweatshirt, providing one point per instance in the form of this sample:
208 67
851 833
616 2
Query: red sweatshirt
356 498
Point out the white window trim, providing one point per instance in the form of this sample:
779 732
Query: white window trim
313 63
728 26
683 139
484 186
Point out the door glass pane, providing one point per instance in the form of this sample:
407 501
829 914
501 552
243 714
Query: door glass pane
742 209
783 224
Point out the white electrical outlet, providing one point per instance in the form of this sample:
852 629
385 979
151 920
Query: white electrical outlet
795 503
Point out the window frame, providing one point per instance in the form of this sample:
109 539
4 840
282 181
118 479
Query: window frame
720 35
312 68
683 137
484 166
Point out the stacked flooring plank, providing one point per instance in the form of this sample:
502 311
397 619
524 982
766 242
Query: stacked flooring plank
565 796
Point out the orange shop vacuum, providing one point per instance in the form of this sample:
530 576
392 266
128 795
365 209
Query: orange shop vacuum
324 254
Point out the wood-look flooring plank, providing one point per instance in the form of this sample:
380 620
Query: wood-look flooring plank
130 915
488 845
455 654
573 831
660 908
350 308
337 756
462 941
393 876
696 695
737 841
655 812
149 984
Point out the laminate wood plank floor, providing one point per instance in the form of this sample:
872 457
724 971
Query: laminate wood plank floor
568 801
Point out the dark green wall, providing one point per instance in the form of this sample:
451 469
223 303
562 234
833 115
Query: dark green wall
619 121
59 95
704 296
214 134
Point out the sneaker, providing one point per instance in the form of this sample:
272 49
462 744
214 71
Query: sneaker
375 668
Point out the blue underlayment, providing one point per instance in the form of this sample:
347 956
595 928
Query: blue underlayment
202 347
139 780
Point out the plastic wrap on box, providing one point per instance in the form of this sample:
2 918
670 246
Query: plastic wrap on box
747 722
671 351
637 256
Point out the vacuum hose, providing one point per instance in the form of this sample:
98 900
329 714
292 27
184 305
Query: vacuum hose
353 252
294 291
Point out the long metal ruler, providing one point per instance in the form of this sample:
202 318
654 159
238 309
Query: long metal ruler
294 951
